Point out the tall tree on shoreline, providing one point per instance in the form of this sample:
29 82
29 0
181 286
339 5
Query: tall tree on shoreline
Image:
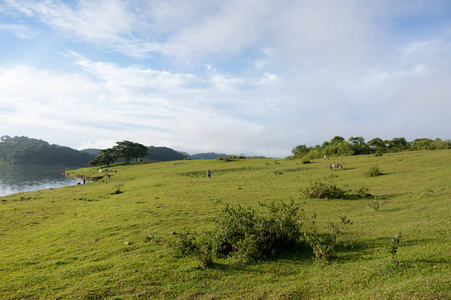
128 150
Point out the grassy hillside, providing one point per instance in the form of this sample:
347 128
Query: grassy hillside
89 242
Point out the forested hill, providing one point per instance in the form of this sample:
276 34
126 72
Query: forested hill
153 153
163 153
24 150
209 155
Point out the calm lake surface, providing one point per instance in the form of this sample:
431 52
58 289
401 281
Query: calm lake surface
24 178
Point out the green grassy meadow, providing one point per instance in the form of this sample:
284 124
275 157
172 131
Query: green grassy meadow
87 242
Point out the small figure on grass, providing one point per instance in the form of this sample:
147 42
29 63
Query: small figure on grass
209 174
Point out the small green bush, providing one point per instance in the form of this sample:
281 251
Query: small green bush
323 244
185 244
118 190
372 171
379 152
223 158
323 189
376 204
305 160
362 192
204 253
393 248
242 233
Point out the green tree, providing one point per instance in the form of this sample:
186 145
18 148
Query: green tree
398 144
377 143
422 144
358 145
105 157
128 150
336 140
300 151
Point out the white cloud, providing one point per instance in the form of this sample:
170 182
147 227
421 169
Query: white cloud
21 31
92 20
239 76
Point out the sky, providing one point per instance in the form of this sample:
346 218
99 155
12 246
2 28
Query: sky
252 77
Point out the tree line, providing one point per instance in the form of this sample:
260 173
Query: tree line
126 151
338 146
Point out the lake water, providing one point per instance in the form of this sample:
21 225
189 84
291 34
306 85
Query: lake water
24 178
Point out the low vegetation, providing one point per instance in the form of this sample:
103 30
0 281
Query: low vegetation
244 234
372 171
163 230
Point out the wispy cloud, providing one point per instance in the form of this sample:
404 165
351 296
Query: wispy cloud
253 77
21 31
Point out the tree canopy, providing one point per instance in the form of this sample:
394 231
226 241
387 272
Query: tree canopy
128 150
125 150
356 145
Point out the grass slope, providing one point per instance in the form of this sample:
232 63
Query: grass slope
71 242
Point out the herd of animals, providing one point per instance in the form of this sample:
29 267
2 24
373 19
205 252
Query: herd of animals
333 166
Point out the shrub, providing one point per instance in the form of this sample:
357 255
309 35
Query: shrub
379 152
241 233
323 189
372 171
376 204
323 244
204 253
185 244
305 159
393 248
284 223
118 190
362 192
223 158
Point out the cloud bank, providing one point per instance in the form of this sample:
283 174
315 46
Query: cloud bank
251 77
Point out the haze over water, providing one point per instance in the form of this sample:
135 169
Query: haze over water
24 178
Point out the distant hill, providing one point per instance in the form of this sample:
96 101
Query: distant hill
153 153
91 151
209 155
24 150
163 153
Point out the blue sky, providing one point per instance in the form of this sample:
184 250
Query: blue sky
238 76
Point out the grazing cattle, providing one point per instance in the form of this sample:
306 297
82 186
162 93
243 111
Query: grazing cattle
335 166
326 157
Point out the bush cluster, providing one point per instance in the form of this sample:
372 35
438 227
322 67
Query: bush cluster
243 234
323 244
372 171
323 189
230 157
